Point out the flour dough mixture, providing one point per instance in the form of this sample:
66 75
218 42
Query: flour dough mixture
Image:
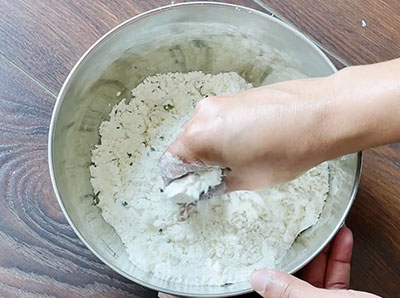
227 237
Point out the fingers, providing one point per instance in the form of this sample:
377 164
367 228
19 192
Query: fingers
243 179
181 148
330 269
314 272
276 284
183 155
338 267
232 182
194 138
337 255
172 167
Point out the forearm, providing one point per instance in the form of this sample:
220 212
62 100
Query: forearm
272 134
362 108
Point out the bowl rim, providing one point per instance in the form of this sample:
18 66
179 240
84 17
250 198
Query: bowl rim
109 34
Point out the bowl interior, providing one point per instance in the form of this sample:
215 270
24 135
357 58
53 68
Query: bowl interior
208 37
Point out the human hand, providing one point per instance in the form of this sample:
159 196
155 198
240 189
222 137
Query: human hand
272 134
327 276
264 136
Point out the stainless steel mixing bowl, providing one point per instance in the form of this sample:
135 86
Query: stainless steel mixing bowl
211 37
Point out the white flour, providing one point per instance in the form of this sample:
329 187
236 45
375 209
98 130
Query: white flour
188 189
229 236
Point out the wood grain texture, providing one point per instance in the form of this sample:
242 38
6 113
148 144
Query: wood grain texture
336 24
46 38
375 222
40 255
375 216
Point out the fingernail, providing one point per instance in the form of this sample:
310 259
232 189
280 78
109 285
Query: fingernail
259 281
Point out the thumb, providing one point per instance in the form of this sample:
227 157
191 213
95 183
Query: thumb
179 160
173 167
276 284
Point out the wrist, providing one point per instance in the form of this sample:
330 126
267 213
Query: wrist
361 108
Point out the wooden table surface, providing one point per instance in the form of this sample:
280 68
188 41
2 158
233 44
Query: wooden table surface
40 41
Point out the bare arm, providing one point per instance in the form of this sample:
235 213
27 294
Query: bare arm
364 109
272 134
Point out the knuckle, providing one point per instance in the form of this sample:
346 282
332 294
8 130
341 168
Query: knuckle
287 290
201 106
337 285
202 132
207 105
193 131
192 137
